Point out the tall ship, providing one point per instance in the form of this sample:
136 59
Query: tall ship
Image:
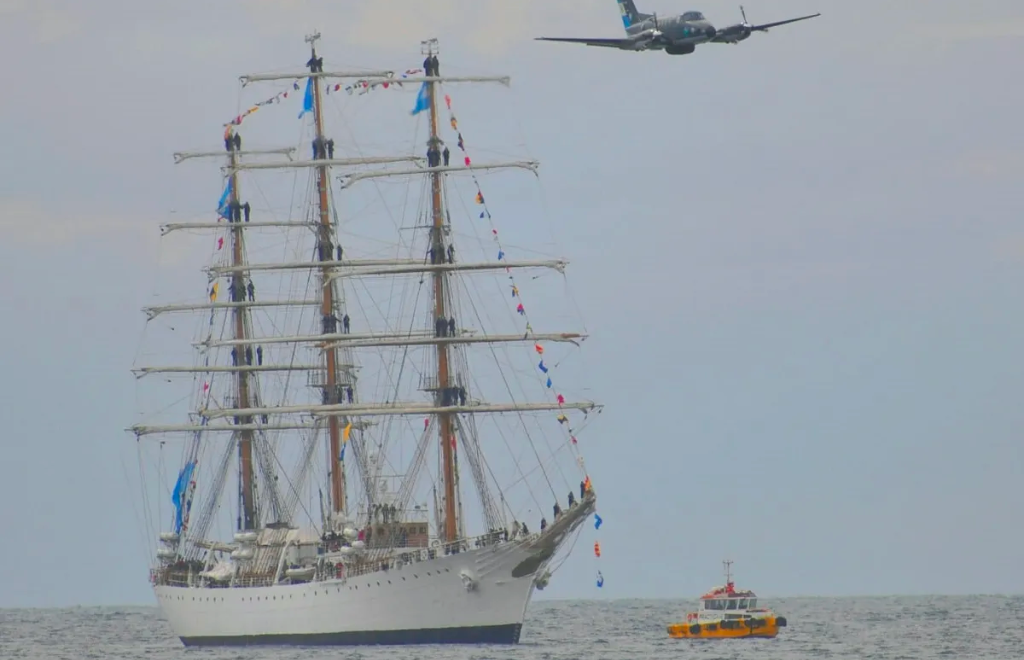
350 361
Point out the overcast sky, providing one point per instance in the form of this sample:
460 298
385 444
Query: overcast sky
799 260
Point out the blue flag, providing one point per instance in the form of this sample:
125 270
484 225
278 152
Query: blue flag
180 490
422 101
307 102
600 580
597 521
222 205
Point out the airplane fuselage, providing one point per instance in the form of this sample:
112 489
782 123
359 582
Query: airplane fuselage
676 33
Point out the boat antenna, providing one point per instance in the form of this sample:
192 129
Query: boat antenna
728 572
324 149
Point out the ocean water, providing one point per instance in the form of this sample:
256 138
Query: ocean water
903 628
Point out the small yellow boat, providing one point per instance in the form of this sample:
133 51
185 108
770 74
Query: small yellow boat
726 612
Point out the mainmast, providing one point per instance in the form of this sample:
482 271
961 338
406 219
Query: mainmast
441 314
247 513
332 392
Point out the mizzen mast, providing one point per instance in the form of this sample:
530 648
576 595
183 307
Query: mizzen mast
438 251
234 211
247 490
323 149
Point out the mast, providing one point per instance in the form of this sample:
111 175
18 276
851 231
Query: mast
247 514
246 415
332 392
438 251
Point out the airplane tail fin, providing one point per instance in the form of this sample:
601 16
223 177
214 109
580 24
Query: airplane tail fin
630 15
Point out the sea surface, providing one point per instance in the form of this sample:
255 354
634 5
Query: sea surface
896 627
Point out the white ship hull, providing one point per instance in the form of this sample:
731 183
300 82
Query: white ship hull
426 602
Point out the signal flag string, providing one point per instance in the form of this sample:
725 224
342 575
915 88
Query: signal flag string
520 307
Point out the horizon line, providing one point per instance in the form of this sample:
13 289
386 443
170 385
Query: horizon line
585 600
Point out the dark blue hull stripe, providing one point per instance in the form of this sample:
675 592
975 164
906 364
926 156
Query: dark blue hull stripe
504 634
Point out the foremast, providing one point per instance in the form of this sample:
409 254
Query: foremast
438 251
325 253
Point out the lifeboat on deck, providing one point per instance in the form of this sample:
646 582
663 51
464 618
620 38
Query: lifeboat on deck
728 612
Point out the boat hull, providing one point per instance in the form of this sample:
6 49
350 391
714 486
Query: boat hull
765 627
466 598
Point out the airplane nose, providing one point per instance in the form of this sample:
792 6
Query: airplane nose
710 31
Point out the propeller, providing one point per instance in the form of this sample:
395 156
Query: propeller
657 30
656 33
745 24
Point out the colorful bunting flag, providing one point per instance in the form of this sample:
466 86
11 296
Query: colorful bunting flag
521 310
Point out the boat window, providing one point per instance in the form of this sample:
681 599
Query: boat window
743 604
753 603
732 604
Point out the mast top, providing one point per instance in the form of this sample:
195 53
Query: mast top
728 571
429 47
315 64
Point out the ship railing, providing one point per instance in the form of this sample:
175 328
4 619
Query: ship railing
400 558
408 556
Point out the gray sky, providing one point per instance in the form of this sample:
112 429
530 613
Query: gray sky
797 257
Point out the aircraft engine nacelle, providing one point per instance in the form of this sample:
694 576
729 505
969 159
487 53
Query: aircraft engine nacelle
680 49
646 39
734 34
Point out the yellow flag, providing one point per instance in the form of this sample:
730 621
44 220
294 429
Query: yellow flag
213 291
348 429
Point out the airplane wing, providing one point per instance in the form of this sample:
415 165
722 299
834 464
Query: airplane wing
764 28
624 44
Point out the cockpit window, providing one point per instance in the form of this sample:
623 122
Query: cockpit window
693 16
